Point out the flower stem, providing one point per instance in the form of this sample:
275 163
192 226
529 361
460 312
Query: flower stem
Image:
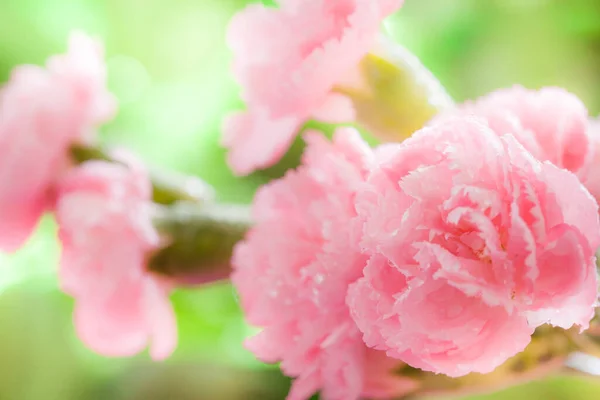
200 240
168 187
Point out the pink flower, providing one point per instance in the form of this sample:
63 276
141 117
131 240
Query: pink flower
255 140
474 243
293 270
550 123
591 179
104 216
43 112
288 60
83 72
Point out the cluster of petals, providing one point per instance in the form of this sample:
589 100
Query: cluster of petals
551 123
444 252
294 268
104 212
43 111
473 243
287 60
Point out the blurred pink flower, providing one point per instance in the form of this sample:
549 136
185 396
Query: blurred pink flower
83 72
43 112
104 216
255 140
293 270
288 59
474 243
591 178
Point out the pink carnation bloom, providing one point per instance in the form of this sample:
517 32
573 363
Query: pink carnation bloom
293 269
104 216
474 243
550 123
42 112
287 61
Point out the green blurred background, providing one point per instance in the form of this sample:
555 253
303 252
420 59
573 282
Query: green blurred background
169 67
